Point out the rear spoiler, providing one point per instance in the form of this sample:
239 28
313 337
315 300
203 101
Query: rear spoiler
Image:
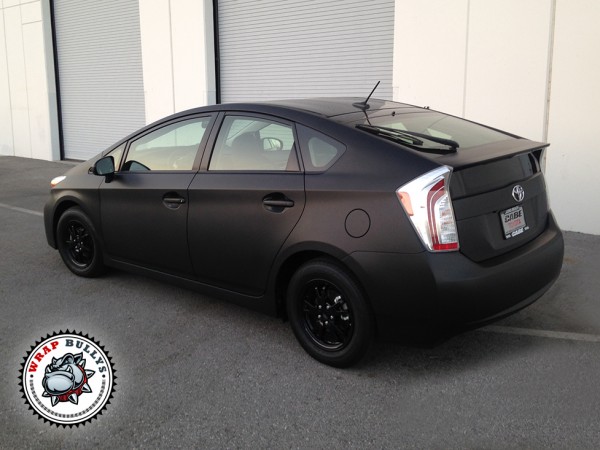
466 157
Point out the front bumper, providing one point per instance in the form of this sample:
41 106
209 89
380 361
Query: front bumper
49 223
427 293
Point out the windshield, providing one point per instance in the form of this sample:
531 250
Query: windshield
437 125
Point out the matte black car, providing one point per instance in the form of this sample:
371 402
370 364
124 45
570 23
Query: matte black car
350 219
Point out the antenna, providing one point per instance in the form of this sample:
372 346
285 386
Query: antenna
364 105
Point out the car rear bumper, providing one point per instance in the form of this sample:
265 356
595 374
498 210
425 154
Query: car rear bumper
427 293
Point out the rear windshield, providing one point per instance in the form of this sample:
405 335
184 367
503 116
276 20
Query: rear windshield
467 134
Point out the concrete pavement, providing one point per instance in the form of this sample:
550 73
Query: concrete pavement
197 372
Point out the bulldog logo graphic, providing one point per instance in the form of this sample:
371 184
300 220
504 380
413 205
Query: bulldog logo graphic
67 378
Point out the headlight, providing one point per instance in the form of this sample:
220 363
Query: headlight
56 180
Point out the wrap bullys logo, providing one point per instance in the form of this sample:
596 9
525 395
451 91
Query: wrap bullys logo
67 378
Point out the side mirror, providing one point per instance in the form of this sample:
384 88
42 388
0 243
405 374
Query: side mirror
105 167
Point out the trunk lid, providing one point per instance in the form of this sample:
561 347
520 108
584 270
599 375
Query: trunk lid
491 216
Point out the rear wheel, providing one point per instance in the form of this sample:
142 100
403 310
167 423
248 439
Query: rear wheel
329 314
78 244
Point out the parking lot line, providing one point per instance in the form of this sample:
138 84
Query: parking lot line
22 210
542 333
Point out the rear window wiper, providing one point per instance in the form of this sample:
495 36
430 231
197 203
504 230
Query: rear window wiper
412 138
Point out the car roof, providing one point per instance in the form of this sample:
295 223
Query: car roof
335 106
329 107
338 109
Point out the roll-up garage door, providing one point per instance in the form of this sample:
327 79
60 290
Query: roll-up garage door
297 48
100 73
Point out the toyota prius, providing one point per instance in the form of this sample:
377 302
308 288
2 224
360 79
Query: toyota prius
352 219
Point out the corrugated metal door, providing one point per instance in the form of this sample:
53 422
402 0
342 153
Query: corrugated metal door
301 48
100 69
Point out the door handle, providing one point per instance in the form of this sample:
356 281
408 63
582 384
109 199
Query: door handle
277 203
176 200
172 200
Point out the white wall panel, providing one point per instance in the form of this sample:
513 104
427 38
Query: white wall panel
574 156
27 97
507 64
157 59
430 42
37 90
17 76
31 12
193 53
6 129
484 60
178 55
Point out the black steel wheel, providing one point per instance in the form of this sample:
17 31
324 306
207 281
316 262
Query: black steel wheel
329 314
78 244
328 319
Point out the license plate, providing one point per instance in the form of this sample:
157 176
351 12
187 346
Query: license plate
513 222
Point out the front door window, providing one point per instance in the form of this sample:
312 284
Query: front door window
173 147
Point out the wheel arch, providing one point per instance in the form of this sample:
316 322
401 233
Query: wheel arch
63 205
293 262
59 210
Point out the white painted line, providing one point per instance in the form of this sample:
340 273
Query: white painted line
542 333
22 210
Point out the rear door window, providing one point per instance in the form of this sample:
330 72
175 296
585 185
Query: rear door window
254 144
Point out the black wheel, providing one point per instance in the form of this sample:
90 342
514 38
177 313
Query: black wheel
329 314
78 245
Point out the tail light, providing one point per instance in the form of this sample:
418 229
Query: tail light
427 203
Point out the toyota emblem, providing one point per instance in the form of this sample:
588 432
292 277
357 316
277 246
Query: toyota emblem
518 193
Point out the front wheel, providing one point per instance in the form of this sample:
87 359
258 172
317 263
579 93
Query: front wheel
329 314
78 245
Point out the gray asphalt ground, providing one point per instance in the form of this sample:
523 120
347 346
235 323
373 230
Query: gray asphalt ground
195 372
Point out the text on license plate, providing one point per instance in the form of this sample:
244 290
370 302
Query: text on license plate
513 222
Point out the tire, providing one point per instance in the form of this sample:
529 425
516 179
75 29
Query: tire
329 314
78 244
